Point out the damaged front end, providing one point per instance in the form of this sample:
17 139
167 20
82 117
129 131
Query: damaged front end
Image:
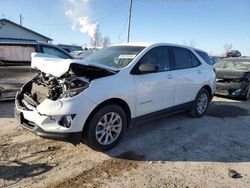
232 83
45 86
73 82
44 104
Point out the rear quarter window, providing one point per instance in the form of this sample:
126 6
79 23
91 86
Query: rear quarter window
194 59
205 57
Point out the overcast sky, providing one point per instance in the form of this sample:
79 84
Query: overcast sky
207 24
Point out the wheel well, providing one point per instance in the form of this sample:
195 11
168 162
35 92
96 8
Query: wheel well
208 88
116 101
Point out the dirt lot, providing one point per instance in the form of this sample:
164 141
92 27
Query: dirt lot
176 151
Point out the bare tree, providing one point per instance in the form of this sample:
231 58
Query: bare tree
106 41
227 47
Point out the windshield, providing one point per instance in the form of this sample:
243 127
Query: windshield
115 56
234 64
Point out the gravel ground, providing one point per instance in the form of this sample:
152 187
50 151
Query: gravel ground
177 151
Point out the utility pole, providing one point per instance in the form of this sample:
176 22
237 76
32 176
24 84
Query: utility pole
129 18
21 20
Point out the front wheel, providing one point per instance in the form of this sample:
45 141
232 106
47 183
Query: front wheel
106 127
200 104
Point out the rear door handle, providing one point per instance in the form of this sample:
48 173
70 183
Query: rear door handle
199 71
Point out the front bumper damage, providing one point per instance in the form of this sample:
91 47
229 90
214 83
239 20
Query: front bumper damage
72 137
232 89
45 120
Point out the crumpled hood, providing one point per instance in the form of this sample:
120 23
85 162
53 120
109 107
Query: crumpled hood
229 74
57 66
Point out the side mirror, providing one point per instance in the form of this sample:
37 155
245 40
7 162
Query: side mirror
147 68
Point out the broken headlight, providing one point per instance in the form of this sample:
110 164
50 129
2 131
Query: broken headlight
73 85
72 92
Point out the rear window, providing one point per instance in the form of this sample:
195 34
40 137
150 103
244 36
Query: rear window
205 57
14 54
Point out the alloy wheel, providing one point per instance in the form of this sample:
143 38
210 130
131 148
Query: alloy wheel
202 103
108 128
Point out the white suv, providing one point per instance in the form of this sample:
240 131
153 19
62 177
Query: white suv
99 97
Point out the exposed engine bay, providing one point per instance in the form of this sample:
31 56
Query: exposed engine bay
232 77
232 83
46 86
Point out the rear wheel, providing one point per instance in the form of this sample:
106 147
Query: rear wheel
200 104
106 127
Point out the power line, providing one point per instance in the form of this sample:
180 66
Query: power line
101 14
110 13
167 1
56 27
113 7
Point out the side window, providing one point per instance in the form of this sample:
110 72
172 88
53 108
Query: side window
194 59
55 52
204 56
158 56
182 58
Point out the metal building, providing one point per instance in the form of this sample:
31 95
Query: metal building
9 29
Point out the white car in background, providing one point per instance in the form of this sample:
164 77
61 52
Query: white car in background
84 53
98 98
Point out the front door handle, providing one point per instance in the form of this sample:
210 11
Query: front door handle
199 71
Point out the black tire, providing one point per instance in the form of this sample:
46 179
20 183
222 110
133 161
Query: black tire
194 112
89 134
